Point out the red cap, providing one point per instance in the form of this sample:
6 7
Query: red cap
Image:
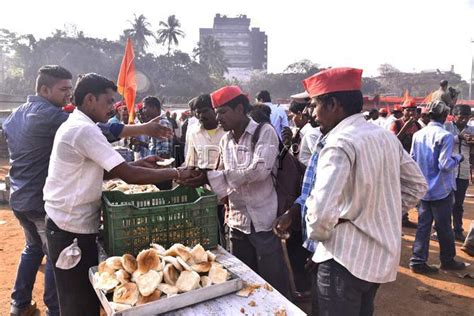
383 111
139 106
397 107
117 105
223 95
409 103
332 80
69 108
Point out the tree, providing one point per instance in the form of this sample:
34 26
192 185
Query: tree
139 32
169 32
211 55
304 66
386 69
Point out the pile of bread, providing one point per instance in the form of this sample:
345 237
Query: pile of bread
119 185
157 272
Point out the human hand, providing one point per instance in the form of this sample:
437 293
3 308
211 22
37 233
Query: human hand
195 179
310 265
281 225
153 128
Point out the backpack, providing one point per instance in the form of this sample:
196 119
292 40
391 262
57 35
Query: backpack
288 179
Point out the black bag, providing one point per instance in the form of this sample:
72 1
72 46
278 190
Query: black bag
289 177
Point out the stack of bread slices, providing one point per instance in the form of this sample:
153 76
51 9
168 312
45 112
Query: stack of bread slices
156 273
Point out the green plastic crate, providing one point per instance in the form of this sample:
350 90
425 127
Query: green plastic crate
182 215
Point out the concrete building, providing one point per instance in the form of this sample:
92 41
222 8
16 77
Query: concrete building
245 48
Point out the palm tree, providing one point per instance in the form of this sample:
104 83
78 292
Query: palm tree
139 32
169 32
211 55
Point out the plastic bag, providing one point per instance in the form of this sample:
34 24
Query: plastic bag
69 257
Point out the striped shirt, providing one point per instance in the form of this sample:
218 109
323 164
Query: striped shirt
366 178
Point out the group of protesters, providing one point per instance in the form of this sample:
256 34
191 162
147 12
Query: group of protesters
359 179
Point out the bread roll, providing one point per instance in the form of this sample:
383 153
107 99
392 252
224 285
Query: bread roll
172 251
218 274
114 262
150 298
174 262
106 281
122 276
129 263
199 254
126 294
187 281
148 282
184 264
135 275
103 267
210 256
148 260
161 250
170 274
202 267
205 281
168 289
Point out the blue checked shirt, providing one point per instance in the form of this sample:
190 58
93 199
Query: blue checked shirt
308 183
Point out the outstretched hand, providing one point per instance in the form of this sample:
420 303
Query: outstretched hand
147 162
195 179
153 128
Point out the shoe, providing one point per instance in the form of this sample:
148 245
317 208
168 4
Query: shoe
434 237
459 236
423 268
406 223
453 265
467 250
29 310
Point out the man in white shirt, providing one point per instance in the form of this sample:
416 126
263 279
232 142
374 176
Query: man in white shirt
203 146
382 119
397 113
363 180
74 185
244 176
278 117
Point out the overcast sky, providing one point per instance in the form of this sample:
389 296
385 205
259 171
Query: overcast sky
412 35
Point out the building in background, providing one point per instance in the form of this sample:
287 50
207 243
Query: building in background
245 48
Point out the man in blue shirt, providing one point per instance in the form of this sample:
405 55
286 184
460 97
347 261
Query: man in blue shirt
30 132
432 149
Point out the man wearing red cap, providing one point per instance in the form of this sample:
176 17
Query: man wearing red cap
354 210
244 176
405 127
396 114
382 119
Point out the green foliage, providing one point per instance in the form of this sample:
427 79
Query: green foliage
139 32
211 55
169 32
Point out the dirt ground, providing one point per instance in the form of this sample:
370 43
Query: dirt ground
410 294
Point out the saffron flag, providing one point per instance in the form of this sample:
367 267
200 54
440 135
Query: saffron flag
126 83
427 99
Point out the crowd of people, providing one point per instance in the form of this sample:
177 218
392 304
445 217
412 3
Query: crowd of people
357 176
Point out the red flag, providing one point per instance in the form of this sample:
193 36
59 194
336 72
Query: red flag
126 83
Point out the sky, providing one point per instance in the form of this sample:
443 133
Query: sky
412 35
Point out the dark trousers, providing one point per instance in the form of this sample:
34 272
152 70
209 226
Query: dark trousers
75 292
33 225
263 253
341 293
458 209
440 212
221 225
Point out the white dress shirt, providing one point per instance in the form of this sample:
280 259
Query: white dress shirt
308 144
366 177
76 170
203 147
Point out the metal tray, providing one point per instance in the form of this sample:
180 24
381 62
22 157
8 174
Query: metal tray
170 303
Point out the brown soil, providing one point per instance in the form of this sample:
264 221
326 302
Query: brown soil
410 294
